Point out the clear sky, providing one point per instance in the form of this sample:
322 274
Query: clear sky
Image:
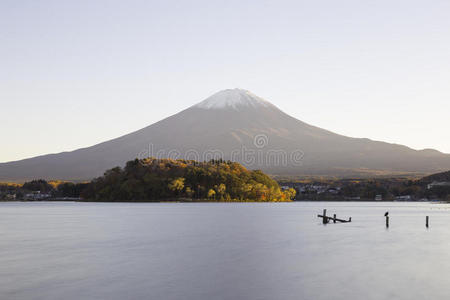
76 73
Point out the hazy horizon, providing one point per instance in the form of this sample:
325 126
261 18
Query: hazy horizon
75 74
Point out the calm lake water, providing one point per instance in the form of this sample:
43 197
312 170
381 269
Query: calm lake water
223 251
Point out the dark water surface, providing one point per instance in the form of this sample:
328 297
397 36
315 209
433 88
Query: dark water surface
223 251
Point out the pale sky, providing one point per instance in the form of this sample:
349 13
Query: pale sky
76 73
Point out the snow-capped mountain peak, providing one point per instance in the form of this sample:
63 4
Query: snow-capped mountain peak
233 98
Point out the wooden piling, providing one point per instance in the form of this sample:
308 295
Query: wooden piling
426 221
387 221
334 218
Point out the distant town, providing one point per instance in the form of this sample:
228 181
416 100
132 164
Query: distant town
431 188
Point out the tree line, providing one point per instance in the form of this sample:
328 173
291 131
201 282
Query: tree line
54 188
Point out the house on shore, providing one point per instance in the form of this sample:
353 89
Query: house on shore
37 195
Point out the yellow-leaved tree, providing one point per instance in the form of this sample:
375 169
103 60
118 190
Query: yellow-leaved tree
290 193
176 185
211 194
221 188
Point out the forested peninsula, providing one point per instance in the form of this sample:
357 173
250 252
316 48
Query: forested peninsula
152 179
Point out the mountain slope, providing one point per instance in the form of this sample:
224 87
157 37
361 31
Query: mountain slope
237 125
442 177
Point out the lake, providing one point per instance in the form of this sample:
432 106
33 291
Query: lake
70 250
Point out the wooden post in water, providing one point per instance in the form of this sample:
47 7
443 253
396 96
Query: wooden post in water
426 221
324 219
387 221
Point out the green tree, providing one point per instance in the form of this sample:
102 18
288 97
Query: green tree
38 185
189 192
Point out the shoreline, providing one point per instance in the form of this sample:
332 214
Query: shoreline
437 201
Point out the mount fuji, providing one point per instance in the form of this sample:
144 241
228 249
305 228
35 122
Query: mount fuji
238 125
